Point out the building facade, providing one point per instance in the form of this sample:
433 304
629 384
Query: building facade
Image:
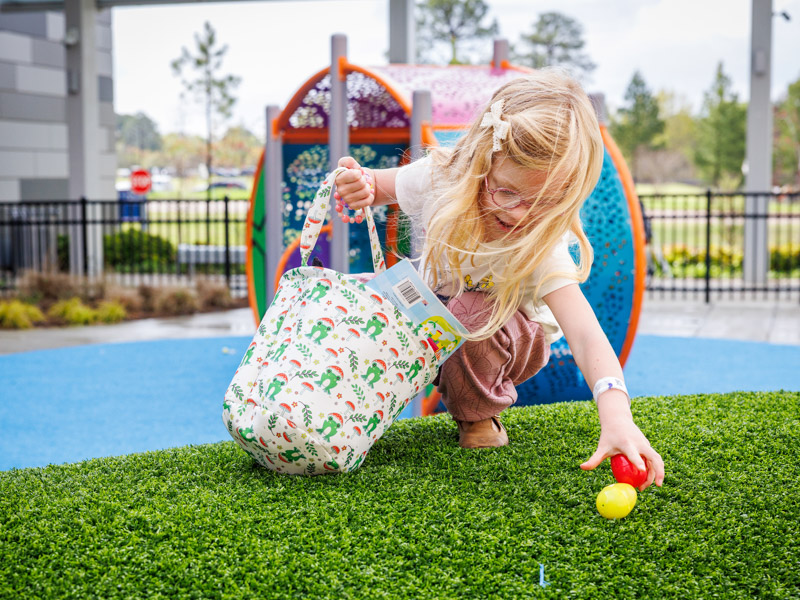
34 88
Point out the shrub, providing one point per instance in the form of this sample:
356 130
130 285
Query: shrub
128 298
48 287
177 301
138 250
111 312
19 315
784 258
212 294
62 249
684 261
73 312
148 295
726 261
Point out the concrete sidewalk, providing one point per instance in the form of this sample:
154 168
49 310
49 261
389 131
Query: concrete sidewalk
775 323
756 321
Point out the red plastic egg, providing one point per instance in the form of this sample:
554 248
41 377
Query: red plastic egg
625 472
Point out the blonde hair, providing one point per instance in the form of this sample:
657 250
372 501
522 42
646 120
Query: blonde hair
553 129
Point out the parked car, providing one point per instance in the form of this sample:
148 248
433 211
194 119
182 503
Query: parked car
232 185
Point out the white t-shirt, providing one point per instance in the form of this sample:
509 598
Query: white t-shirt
414 190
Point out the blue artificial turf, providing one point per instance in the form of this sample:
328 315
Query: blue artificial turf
82 402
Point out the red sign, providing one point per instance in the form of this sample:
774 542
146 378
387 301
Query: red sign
140 182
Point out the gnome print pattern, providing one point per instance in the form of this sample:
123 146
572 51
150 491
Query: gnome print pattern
272 407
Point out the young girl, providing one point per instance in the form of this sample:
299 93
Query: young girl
496 215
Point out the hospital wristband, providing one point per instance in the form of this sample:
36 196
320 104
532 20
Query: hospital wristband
609 383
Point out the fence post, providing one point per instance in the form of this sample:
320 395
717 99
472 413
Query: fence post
227 247
85 235
708 245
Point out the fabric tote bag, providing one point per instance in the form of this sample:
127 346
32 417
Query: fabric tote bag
329 369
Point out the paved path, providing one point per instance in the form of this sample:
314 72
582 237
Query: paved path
757 321
776 323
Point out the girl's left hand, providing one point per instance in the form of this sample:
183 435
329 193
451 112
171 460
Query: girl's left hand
622 436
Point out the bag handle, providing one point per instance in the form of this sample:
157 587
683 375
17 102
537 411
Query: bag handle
316 217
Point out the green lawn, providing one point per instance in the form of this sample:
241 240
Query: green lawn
669 188
425 519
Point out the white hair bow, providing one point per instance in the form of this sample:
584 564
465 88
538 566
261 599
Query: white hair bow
492 118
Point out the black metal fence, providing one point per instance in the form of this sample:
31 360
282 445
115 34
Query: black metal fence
696 243
698 246
153 242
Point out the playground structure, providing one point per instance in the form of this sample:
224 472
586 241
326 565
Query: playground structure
391 114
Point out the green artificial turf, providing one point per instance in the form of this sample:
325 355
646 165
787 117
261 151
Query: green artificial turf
423 518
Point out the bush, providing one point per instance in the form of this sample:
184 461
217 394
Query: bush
73 312
177 301
148 295
726 261
19 315
111 312
784 258
212 294
138 250
128 298
48 287
62 248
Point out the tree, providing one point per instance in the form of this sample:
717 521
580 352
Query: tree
672 158
721 134
139 131
556 40
452 22
183 153
786 157
637 125
206 84
238 148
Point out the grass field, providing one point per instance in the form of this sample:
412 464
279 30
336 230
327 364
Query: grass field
425 519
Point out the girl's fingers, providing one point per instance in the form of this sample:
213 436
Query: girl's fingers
594 461
655 469
349 177
658 469
632 454
348 162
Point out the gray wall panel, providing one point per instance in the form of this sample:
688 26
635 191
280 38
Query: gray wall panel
31 107
105 88
43 189
107 116
49 54
32 23
8 76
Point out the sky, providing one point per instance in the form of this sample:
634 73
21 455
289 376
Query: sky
275 46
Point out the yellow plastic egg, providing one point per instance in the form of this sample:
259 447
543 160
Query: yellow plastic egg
616 501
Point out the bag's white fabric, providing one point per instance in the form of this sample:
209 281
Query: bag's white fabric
330 368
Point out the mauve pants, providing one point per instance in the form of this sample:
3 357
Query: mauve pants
477 381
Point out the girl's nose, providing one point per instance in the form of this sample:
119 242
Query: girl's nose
518 212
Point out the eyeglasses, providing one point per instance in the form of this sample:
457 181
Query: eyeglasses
505 198
510 199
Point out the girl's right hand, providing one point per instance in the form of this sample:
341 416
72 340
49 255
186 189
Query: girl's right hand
354 187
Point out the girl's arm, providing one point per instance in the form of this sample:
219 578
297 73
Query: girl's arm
596 359
353 187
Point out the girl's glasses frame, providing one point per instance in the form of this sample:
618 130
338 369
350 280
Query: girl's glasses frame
512 199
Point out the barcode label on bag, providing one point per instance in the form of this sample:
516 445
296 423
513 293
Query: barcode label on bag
407 292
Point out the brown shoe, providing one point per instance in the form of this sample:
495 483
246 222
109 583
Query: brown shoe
488 433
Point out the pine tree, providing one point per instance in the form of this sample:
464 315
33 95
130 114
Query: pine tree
205 83
721 134
637 125
556 40
453 22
